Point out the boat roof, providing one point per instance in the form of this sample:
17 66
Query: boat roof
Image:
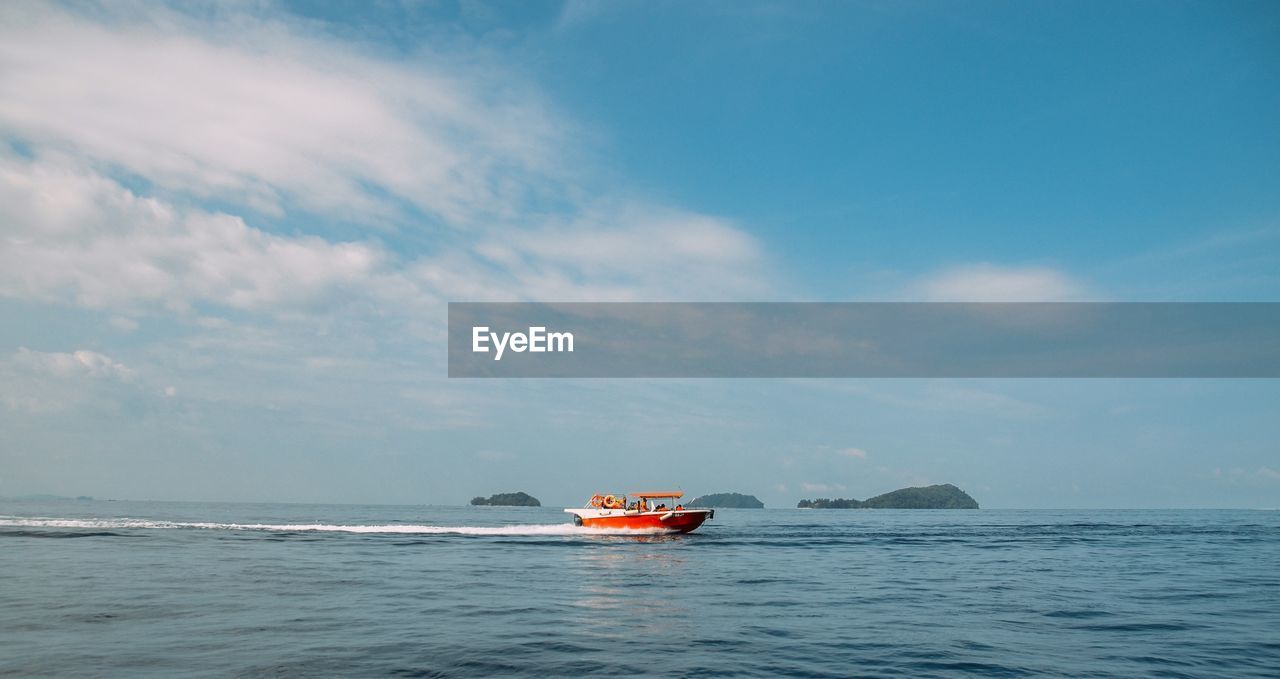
664 493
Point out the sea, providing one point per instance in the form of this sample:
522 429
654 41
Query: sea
169 589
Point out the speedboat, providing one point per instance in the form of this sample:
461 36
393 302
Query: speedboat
656 512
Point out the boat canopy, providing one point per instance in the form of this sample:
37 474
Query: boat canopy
669 493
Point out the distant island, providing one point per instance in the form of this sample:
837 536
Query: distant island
728 501
507 500
945 496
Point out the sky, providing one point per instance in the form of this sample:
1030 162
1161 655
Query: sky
229 232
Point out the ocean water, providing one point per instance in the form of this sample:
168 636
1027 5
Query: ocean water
184 589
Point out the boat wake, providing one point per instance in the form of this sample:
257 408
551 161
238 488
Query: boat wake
391 528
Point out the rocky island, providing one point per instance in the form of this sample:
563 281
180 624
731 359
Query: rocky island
944 496
507 500
727 501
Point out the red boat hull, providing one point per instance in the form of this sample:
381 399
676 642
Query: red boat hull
681 521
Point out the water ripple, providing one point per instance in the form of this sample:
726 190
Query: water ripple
288 591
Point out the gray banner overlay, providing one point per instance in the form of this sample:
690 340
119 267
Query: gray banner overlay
864 339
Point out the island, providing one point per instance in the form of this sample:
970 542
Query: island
727 501
944 496
507 500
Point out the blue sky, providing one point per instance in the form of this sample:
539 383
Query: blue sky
229 233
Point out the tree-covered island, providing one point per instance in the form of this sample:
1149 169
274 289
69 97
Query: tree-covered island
507 500
944 496
727 501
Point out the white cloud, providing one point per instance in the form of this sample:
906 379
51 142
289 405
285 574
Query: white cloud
992 283
853 452
82 363
821 487
123 323
262 115
40 382
189 179
1261 474
257 112
73 235
627 253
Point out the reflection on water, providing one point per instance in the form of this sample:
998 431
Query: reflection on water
631 588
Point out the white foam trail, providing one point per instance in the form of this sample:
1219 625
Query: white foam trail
392 528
